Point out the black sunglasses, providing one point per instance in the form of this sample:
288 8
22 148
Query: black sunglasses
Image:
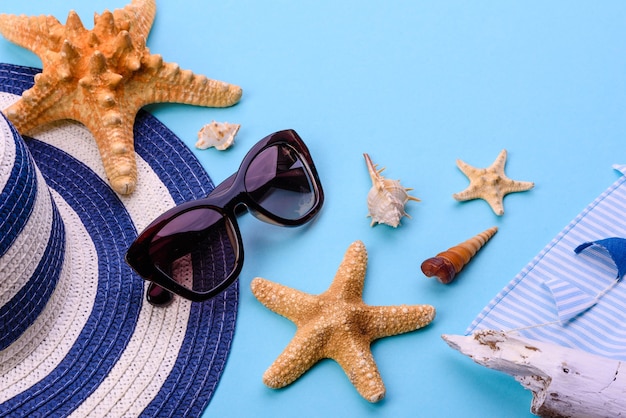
195 250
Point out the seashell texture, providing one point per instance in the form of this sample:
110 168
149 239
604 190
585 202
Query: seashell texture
446 265
220 135
101 78
387 198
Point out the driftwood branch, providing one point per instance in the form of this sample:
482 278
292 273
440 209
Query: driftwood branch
565 382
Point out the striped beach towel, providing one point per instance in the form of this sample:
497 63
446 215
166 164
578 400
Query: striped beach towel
572 293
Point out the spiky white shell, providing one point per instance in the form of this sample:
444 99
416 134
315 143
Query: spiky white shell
220 135
386 199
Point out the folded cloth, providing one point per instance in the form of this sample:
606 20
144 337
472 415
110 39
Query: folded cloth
571 293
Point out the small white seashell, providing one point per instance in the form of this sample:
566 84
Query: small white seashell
387 198
220 135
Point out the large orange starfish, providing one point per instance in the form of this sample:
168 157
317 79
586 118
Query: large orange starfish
337 324
101 78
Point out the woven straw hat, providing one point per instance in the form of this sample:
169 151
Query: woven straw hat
76 335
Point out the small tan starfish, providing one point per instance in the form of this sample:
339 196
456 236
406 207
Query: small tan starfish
490 184
101 78
337 324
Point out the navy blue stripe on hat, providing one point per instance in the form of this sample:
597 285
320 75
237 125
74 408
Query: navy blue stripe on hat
211 326
188 389
119 295
21 311
15 79
18 195
175 166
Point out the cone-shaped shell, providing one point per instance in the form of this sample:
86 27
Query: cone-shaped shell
446 265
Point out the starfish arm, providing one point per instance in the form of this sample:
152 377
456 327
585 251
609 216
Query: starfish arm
38 34
385 321
493 197
513 186
43 103
349 279
305 349
112 130
290 303
356 359
466 169
167 83
471 173
113 134
496 203
140 16
499 163
468 194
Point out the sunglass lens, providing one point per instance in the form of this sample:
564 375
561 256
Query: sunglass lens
198 249
280 182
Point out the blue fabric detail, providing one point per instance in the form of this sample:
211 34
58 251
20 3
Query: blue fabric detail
616 248
22 310
18 196
570 300
186 181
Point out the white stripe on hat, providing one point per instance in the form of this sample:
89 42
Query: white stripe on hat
148 341
22 258
113 396
63 318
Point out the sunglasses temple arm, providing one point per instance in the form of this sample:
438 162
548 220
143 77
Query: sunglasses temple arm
157 295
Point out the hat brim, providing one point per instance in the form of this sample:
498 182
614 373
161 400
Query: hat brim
129 358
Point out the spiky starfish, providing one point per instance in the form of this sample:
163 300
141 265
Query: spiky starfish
490 184
337 324
101 78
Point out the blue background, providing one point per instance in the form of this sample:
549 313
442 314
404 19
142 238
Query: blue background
416 85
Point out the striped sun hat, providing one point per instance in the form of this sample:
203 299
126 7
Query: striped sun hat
76 335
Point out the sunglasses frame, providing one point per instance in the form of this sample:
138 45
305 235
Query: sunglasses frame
226 198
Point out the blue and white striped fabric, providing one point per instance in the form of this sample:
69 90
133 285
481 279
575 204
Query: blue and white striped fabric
574 299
